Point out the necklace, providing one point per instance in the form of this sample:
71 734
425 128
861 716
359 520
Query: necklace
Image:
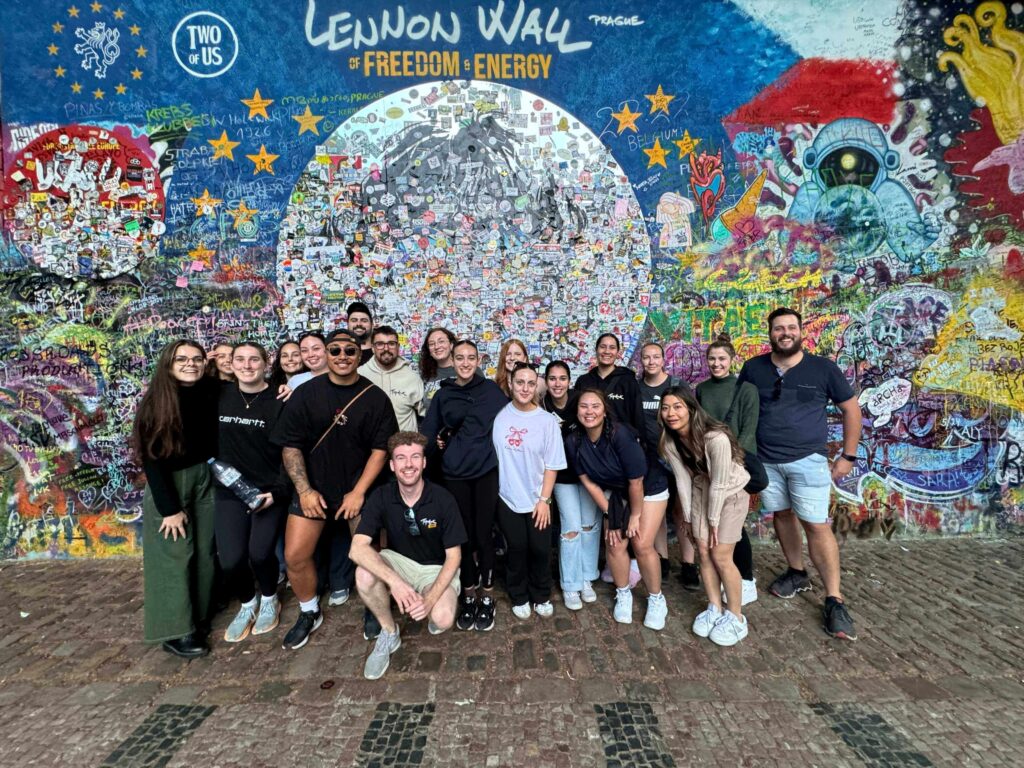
254 397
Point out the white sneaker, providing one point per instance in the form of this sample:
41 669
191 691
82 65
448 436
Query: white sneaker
623 612
657 612
749 593
729 630
521 611
587 593
239 627
380 657
705 621
544 609
268 617
572 601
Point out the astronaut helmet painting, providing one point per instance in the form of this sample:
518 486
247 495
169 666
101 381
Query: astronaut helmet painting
852 191
472 205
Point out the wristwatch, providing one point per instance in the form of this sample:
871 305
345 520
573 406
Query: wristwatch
545 499
848 457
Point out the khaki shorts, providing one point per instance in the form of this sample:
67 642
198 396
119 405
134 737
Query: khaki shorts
418 576
730 524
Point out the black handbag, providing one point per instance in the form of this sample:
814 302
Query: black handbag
758 476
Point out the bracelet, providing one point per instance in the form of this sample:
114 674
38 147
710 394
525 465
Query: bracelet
545 499
848 457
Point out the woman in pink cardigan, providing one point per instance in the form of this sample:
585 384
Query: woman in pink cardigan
708 466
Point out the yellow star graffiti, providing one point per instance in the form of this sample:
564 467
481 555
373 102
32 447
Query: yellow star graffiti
59 71
121 89
223 146
135 29
58 27
686 144
141 52
626 118
264 161
242 213
119 14
53 49
136 74
98 94
206 205
202 253
257 105
307 121
659 100
73 12
76 87
96 7
656 155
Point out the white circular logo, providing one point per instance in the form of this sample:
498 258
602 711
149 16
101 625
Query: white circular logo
205 44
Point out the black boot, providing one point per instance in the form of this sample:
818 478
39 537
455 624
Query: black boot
187 647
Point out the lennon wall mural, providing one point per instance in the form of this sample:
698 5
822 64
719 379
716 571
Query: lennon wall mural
516 169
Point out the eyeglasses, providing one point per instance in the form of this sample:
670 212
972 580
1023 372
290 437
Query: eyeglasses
336 351
182 360
410 519
385 344
777 389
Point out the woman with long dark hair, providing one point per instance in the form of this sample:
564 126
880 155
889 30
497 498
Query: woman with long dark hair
174 435
458 426
218 364
436 362
245 537
612 467
737 405
708 466
287 363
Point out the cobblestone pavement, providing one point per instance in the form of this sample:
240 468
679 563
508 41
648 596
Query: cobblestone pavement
936 678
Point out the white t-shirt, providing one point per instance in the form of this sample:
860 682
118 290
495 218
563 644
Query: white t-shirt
527 443
299 379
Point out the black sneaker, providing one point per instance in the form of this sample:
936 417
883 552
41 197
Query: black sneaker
467 616
789 583
485 615
187 647
307 623
371 627
837 620
689 577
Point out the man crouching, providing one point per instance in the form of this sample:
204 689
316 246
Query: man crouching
420 566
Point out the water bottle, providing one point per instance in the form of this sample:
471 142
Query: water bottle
233 480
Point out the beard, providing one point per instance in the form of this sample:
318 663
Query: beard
791 351
361 335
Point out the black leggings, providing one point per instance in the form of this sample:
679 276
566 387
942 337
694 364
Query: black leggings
528 569
743 557
247 539
478 504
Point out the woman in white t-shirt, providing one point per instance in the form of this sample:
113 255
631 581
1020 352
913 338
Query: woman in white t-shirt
528 442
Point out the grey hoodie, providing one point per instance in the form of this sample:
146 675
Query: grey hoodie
403 387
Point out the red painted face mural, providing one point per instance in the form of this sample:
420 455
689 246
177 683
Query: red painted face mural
707 181
81 201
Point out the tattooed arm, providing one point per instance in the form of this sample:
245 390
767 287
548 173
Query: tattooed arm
312 503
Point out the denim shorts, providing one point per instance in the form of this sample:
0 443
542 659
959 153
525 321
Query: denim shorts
804 485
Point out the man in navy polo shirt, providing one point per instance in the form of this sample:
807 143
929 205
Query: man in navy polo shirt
795 388
420 567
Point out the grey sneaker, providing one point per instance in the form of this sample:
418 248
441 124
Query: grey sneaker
380 657
268 617
239 627
338 597
432 628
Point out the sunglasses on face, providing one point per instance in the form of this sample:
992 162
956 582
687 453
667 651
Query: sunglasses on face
410 520
337 351
777 388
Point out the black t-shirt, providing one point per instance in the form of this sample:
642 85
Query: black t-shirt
244 436
611 463
336 464
437 517
567 422
791 424
650 397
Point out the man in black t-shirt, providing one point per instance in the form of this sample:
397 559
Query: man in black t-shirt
795 388
420 567
333 434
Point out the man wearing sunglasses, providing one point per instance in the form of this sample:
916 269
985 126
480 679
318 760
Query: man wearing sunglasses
420 567
795 389
333 434
392 373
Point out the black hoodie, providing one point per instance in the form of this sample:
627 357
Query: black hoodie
623 393
466 414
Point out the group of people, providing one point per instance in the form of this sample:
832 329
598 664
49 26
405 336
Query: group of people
374 476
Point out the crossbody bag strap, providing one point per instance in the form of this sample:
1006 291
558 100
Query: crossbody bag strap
339 417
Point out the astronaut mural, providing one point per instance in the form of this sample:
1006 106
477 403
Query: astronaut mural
472 205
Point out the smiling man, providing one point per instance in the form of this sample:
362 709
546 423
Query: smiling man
795 388
392 373
333 435
420 567
360 323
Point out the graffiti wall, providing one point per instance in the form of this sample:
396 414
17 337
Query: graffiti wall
522 168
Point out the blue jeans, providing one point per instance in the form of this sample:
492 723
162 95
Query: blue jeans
577 557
